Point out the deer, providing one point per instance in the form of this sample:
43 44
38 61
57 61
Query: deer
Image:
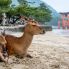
18 46
3 51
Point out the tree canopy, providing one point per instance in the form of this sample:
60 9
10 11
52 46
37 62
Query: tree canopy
4 5
40 13
43 13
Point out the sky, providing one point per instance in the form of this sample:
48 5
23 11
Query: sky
14 2
58 5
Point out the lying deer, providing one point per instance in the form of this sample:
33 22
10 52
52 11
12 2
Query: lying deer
3 50
18 46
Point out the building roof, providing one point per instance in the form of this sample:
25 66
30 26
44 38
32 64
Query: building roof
64 13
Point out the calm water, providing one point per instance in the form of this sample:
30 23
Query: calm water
61 32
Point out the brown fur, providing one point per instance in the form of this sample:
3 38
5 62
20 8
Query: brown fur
2 40
3 45
19 45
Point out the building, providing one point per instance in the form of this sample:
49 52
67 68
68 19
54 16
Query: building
64 20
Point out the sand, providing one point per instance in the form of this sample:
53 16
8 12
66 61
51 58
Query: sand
49 51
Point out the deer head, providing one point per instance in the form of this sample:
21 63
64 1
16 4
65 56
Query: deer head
33 28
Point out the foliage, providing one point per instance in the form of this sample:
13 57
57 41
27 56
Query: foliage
4 5
12 10
43 13
40 13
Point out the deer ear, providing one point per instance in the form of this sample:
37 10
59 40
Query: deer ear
33 24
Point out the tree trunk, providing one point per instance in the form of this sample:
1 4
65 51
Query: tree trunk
4 19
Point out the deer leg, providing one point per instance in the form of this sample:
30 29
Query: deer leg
19 56
3 59
24 55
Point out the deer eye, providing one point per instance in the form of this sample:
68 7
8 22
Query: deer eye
32 21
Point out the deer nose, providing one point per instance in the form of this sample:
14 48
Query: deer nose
43 32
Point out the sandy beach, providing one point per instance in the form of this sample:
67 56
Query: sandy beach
49 51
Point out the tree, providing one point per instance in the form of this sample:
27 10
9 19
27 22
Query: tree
5 3
43 13
4 7
44 7
42 16
40 13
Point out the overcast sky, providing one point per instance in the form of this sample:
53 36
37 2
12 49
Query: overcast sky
59 5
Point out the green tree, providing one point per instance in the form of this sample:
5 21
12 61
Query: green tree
43 13
5 2
12 10
42 16
40 13
4 7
